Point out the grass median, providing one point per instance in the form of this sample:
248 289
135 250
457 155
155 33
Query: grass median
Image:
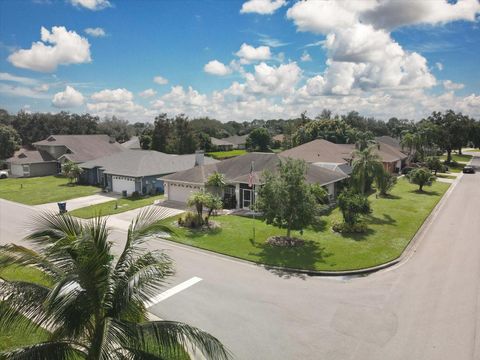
114 206
392 224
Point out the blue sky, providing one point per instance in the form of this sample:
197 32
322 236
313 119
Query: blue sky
380 60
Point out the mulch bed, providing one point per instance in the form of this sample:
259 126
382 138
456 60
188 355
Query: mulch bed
284 241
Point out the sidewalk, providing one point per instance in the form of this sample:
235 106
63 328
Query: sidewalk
80 202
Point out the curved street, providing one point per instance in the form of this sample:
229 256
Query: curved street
426 307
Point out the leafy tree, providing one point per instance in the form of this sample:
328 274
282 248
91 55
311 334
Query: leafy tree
285 198
120 130
334 130
183 140
212 203
9 141
434 164
259 139
385 182
145 140
97 304
353 205
366 166
452 131
320 194
71 170
421 177
204 141
161 133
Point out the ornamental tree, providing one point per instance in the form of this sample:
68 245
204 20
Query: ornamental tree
421 177
285 199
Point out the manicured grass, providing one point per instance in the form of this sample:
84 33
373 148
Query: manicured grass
221 155
17 336
41 190
458 158
392 225
455 168
446 176
114 207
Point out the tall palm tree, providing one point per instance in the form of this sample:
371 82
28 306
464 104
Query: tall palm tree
96 307
366 166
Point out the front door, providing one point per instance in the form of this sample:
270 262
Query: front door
247 198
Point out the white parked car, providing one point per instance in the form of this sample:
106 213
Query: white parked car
3 174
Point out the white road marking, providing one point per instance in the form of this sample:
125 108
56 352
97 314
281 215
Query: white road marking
170 292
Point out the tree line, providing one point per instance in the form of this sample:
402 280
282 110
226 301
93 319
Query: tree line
446 131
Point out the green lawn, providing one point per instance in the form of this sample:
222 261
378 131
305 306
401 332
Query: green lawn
41 190
221 155
455 168
458 158
392 225
114 206
17 336
446 176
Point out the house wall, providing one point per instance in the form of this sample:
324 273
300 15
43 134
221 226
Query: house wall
89 177
151 184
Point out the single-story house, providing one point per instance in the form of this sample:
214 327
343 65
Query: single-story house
30 163
395 143
322 153
57 149
238 141
237 172
393 160
137 170
222 145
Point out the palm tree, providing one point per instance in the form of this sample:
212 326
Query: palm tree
366 166
96 307
217 181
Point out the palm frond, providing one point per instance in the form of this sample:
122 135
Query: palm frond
169 334
50 350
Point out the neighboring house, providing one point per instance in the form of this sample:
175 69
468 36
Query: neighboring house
238 141
279 137
237 172
132 144
322 153
395 143
27 163
137 170
221 145
393 160
58 149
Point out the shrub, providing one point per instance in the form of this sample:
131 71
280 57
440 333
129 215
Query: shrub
344 228
190 220
352 206
135 195
385 182
421 177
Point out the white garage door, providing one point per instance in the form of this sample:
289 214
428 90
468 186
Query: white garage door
17 170
122 183
181 192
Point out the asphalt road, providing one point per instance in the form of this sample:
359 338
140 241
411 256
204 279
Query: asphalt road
427 307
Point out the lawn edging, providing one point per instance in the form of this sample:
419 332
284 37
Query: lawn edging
407 252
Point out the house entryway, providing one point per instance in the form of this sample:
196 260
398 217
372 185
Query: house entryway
247 198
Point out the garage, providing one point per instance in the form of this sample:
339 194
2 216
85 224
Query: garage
123 183
181 192
17 170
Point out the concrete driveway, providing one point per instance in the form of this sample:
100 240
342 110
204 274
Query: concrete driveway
80 202
122 221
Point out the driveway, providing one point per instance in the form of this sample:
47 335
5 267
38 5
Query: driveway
80 202
122 221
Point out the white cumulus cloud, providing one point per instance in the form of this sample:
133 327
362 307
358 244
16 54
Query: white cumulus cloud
95 32
273 80
91 4
216 67
68 98
450 85
248 53
160 80
148 93
306 56
67 48
112 95
263 7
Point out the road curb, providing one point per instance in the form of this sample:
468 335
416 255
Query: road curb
403 257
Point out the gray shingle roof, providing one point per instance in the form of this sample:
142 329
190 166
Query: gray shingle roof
220 142
25 156
318 151
236 139
138 163
395 143
83 147
386 152
238 169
